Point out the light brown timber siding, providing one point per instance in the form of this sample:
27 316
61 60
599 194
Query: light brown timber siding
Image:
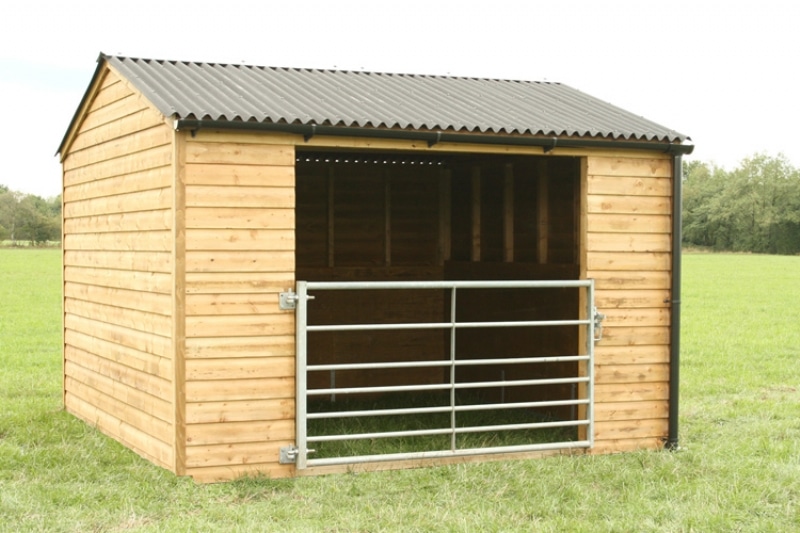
239 352
118 366
628 253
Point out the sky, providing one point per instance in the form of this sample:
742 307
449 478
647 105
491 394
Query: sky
724 73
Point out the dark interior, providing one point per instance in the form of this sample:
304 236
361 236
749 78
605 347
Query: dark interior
368 216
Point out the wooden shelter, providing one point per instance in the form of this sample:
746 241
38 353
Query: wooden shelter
196 194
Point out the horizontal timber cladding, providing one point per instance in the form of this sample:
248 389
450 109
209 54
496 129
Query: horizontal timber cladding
239 347
117 271
628 247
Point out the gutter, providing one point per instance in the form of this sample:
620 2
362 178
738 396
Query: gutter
432 137
675 304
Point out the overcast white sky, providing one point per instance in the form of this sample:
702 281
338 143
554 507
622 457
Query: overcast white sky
725 73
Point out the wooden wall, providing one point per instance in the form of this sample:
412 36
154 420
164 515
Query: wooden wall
628 245
118 240
239 348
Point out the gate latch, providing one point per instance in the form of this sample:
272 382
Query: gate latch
288 300
288 454
598 325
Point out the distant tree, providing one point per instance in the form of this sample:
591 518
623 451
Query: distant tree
29 217
754 208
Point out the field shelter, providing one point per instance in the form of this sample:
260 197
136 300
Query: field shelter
286 271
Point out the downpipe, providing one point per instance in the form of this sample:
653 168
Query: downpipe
675 304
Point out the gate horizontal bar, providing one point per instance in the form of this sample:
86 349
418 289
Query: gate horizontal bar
446 325
357 459
447 363
447 386
444 409
446 431
380 285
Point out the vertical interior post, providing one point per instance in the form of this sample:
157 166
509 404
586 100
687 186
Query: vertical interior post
508 213
542 212
475 255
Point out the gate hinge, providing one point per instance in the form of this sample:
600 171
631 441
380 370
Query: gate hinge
288 454
288 300
598 325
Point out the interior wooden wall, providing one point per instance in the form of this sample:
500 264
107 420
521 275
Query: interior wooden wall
118 241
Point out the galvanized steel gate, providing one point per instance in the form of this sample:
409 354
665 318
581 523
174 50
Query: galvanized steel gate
582 383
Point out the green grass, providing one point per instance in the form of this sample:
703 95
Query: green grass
738 469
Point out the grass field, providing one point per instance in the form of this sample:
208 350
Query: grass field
738 468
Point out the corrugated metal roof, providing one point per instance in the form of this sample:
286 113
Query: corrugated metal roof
227 92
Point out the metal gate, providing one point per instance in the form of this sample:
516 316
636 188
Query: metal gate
587 321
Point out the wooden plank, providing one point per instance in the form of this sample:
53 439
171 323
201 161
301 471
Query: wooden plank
627 336
239 218
630 392
542 212
257 431
627 299
445 216
475 253
240 239
114 149
629 223
138 340
178 304
139 221
239 411
508 213
154 178
634 186
626 166
140 420
244 282
240 175
156 157
651 373
631 355
128 299
155 323
258 197
238 454
232 304
631 410
239 368
629 280
240 389
250 325
155 241
226 153
630 429
627 261
636 205
140 442
121 375
153 199
137 280
112 111
217 474
627 445
636 317
628 242
138 360
122 127
137 399
224 347
239 261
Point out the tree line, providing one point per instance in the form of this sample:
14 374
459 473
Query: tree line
29 218
753 208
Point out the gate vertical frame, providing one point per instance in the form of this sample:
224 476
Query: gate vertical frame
301 377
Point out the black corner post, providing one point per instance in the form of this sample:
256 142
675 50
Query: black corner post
675 303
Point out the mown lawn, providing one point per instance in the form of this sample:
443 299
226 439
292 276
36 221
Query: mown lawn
738 468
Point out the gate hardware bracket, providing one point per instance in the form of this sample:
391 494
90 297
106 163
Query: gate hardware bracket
288 300
598 325
288 454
